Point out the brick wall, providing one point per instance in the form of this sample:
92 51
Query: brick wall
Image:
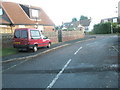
52 35
48 28
71 35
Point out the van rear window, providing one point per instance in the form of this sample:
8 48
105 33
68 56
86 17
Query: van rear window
35 34
17 34
24 34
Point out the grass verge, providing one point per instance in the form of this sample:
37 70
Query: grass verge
8 51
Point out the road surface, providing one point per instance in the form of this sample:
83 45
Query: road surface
89 64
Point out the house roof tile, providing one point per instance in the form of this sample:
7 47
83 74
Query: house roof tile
85 22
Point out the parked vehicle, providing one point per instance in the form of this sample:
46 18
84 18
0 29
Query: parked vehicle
26 38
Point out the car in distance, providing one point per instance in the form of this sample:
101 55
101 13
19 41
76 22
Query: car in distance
26 39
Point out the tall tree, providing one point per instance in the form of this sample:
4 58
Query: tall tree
82 17
74 19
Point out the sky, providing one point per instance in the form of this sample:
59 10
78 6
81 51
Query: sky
64 10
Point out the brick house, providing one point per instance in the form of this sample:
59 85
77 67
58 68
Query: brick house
14 15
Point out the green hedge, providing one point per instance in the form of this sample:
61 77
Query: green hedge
105 28
102 28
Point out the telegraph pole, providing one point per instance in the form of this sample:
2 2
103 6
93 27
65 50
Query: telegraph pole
111 28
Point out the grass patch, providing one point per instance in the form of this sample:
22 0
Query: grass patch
8 51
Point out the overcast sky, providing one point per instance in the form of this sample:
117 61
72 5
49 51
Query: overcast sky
64 10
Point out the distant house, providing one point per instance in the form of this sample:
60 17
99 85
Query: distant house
78 25
113 20
86 23
14 15
72 26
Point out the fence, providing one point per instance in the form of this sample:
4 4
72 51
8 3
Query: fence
66 36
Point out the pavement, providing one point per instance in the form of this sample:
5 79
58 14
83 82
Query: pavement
91 63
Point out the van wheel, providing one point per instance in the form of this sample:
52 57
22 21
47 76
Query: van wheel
49 44
35 48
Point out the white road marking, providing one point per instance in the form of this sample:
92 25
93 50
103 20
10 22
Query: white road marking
13 66
115 48
77 51
58 75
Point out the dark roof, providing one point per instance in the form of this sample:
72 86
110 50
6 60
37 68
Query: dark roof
75 24
18 16
110 19
85 22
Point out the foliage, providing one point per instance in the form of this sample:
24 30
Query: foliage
74 19
102 28
82 17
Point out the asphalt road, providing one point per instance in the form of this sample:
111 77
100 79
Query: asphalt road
88 64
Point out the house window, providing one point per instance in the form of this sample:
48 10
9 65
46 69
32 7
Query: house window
21 26
34 14
115 20
1 11
40 27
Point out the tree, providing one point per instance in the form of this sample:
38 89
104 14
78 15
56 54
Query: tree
82 17
116 28
74 19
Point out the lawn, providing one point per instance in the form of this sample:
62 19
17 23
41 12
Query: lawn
7 51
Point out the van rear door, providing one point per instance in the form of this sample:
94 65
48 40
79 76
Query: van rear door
21 37
24 37
17 37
